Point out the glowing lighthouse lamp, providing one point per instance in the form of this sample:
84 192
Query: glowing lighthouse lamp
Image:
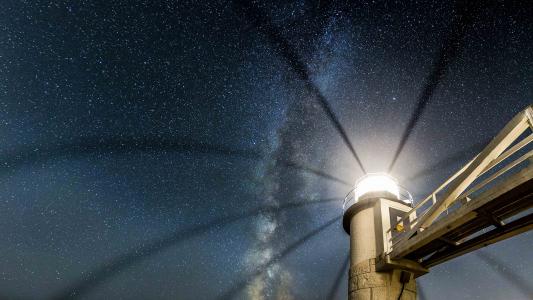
373 184
378 203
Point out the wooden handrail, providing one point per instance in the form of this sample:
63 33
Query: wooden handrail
433 194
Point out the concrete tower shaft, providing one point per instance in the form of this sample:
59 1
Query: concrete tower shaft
366 280
368 220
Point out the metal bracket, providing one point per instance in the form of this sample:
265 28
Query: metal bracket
495 221
449 242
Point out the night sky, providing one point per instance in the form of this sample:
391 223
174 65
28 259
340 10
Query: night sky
122 123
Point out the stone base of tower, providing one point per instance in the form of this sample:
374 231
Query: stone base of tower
367 284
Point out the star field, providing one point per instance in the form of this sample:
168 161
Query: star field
125 122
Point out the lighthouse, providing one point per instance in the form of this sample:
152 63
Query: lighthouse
375 204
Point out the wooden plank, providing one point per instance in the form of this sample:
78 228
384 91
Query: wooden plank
508 153
385 263
497 174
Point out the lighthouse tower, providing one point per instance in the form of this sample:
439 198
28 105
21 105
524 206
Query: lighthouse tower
376 203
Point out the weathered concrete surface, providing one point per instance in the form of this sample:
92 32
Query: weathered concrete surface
367 284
